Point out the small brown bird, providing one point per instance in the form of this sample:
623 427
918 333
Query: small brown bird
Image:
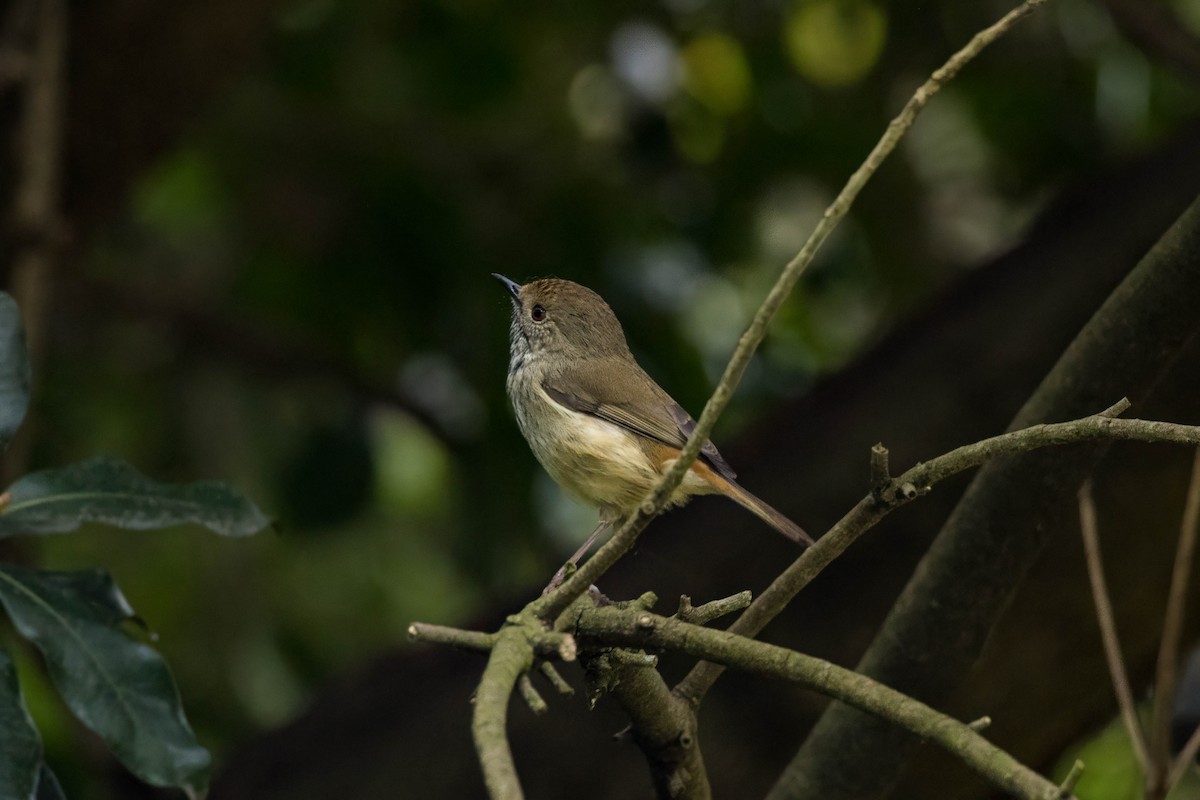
602 428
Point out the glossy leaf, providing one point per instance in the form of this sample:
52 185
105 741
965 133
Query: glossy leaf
110 491
14 370
117 686
20 745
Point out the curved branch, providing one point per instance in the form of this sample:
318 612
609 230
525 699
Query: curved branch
631 627
512 656
905 488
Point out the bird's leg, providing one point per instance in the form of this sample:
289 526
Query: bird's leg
573 561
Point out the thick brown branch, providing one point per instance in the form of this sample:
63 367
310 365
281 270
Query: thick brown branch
662 726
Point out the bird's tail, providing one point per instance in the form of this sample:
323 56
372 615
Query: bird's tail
764 512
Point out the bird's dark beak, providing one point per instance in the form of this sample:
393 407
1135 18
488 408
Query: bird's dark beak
512 286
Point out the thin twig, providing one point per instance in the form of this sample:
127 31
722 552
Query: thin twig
622 540
1108 626
531 696
880 471
1166 676
555 678
1183 762
1068 785
455 637
706 613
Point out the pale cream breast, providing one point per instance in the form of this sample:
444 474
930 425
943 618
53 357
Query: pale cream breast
598 462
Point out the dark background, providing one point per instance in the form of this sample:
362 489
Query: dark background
276 226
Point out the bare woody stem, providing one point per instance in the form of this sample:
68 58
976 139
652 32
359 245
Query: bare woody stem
905 488
454 637
608 626
623 539
1168 653
1183 761
1108 626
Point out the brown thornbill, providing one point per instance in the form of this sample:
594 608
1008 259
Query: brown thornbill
602 428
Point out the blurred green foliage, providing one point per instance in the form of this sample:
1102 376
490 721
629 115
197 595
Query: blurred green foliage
1111 771
337 211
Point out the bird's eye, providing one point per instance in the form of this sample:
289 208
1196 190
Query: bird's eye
537 313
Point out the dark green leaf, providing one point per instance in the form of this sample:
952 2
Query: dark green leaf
14 370
110 491
118 687
20 745
48 786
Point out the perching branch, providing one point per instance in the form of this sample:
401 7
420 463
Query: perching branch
627 533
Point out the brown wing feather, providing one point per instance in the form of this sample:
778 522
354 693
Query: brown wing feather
640 406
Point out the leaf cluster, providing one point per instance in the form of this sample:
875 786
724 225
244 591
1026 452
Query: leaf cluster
111 679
